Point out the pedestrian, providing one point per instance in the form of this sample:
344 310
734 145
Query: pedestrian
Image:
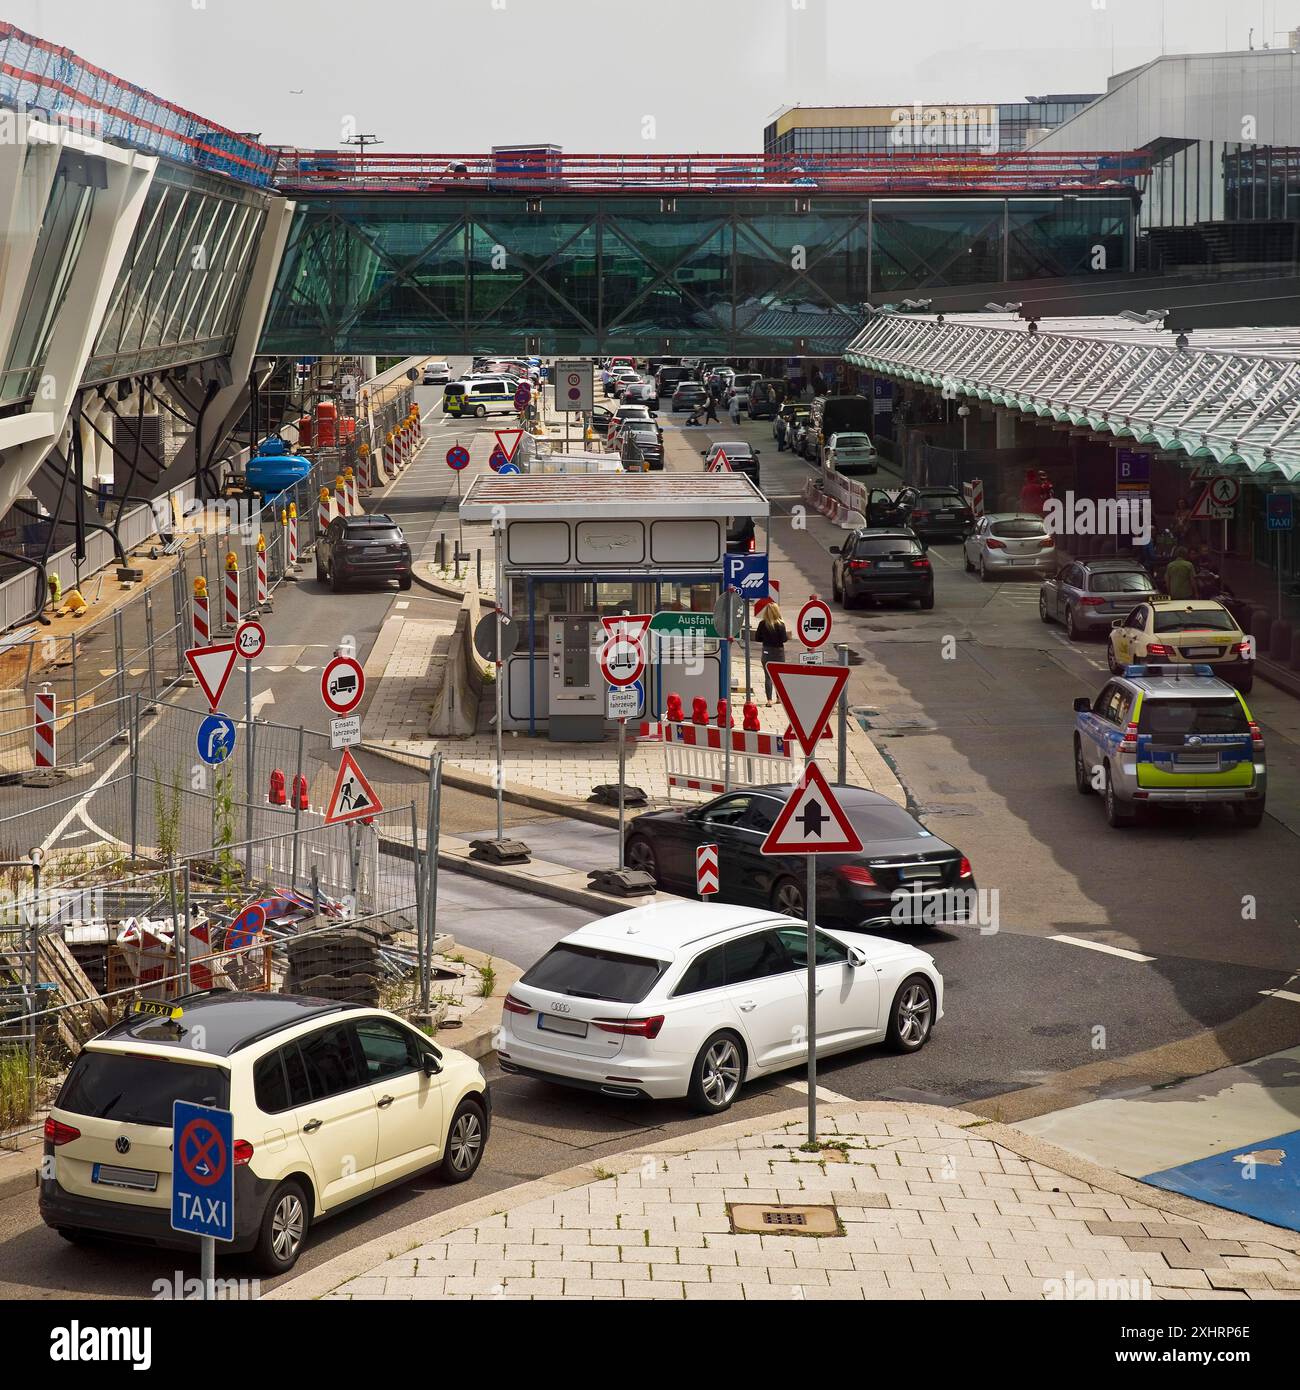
711 411
733 408
1031 494
1180 575
773 635
1044 489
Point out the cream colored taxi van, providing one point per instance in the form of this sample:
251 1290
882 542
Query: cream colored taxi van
332 1104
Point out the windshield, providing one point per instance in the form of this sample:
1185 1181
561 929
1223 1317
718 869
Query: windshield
1199 619
593 974
139 1090
1177 718
1113 582
886 545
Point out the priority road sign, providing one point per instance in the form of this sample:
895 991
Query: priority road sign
813 625
812 821
353 798
809 694
706 870
342 684
250 638
203 1171
216 739
212 667
457 457
621 661
747 574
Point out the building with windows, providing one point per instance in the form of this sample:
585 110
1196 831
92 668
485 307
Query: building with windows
987 127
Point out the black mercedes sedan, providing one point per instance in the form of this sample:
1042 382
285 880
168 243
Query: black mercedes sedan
905 875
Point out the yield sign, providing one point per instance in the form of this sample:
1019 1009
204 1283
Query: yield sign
721 463
812 822
212 667
353 797
508 440
631 627
808 694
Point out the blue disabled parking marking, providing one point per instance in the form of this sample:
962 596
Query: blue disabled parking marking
1260 1180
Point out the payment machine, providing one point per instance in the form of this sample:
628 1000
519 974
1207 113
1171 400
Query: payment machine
577 688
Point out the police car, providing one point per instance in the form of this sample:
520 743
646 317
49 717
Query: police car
1169 734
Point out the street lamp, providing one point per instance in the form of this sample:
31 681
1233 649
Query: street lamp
963 412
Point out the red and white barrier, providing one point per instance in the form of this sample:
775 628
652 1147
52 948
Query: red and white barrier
293 536
202 630
695 757
231 615
43 745
350 479
390 456
341 495
263 587
323 512
974 494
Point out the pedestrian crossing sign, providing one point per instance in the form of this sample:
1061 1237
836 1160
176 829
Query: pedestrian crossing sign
353 797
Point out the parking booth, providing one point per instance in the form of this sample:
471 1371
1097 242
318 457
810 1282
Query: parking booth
572 549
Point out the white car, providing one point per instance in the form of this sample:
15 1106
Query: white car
851 453
436 373
692 999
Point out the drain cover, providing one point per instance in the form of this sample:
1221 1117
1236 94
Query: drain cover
783 1219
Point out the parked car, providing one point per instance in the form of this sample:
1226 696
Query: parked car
876 563
1087 595
851 454
642 391
741 535
766 397
357 548
479 396
645 439
742 457
1003 542
1162 734
740 384
332 1103
790 420
937 513
618 377
1184 630
694 999
902 865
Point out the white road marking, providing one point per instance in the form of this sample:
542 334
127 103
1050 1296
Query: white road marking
1101 946
405 603
1286 994
830 1097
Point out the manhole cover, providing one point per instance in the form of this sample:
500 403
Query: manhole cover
784 1219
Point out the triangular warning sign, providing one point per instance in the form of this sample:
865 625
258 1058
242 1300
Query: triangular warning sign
721 463
212 667
353 797
812 821
509 442
631 627
808 694
1207 509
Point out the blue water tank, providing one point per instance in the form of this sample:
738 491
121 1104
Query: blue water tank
273 470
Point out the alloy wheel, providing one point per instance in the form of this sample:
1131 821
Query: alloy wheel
789 899
914 1010
465 1141
641 856
720 1072
287 1227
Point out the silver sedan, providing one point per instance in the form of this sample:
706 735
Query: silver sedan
1004 542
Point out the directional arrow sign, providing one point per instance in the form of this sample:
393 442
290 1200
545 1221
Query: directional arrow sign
812 822
212 667
808 694
353 797
509 442
706 869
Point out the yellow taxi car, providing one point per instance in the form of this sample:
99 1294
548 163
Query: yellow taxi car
1199 631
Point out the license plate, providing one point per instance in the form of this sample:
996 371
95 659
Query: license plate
107 1175
1201 651
573 1027
1196 760
911 872
890 565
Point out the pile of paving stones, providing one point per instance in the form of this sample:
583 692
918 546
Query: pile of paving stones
343 965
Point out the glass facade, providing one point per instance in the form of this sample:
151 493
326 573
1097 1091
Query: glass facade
585 274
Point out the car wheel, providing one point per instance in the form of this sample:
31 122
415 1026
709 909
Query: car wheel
716 1075
911 1015
466 1137
1072 630
1118 816
927 602
1246 683
641 855
1111 664
788 897
1043 614
404 583
335 585
480 411
1249 813
320 571
983 573
1082 778
965 555
285 1223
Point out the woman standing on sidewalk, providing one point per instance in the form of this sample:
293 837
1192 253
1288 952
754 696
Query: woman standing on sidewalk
773 635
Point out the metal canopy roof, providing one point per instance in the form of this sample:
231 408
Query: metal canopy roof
1231 394
526 497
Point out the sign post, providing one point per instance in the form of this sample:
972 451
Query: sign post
622 661
726 615
250 640
812 821
495 638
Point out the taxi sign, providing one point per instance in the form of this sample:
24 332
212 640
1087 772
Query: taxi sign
203 1171
157 1008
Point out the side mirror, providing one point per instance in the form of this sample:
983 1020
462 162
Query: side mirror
857 956
836 550
1082 705
757 452
432 1066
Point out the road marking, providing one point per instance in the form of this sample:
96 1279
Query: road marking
830 1097
405 603
1101 946
1286 994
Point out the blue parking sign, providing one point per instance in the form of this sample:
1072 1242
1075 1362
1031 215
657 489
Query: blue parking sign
747 574
1280 510
203 1170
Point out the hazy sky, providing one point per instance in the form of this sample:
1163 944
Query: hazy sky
460 75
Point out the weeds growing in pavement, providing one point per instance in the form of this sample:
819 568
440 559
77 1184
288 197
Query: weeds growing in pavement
167 814
488 979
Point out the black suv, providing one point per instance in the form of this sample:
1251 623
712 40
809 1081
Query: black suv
357 548
882 562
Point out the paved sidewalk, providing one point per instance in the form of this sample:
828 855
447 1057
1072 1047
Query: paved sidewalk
930 1203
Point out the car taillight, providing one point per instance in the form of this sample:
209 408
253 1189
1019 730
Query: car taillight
1243 648
965 870
855 873
1129 743
1159 649
634 1027
1256 735
516 1006
242 1152
1047 542
995 545
918 515
56 1132
859 564
1089 602
921 564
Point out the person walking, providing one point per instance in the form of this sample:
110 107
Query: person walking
733 409
773 636
711 410
1180 575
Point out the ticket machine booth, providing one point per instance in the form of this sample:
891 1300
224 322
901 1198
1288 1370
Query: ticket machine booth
574 549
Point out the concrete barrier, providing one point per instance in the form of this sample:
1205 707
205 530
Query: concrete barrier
456 698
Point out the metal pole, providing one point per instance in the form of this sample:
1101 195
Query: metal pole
418 864
76 738
622 766
500 755
431 868
181 933
119 646
248 766
812 996
153 664
33 979
208 1267
297 815
726 727
186 909
133 737
842 765
749 690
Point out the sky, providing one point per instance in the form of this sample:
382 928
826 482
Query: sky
648 76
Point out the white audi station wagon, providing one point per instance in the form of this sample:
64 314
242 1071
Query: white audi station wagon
332 1104
692 999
